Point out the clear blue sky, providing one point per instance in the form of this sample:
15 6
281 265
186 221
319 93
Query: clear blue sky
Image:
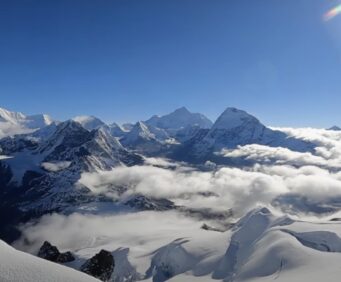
128 59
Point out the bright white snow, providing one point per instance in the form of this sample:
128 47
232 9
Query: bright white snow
16 266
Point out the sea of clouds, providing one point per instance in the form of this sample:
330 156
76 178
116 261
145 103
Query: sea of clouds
276 172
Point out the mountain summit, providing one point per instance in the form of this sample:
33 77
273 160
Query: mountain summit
179 119
234 128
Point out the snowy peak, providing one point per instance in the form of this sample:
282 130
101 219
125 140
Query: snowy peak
235 128
182 111
89 122
105 140
68 134
179 119
33 121
140 130
233 118
12 117
12 123
116 130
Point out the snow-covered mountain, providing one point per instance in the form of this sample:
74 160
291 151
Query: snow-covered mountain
47 169
163 220
158 134
12 123
161 246
141 139
89 122
116 130
179 119
236 128
17 266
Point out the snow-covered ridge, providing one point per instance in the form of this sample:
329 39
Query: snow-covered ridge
161 246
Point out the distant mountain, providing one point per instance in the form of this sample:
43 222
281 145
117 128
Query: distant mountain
179 119
117 130
236 128
89 122
141 139
127 126
158 134
335 128
12 123
41 173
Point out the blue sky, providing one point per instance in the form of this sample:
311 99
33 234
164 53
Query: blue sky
124 60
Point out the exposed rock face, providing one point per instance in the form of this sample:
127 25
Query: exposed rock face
100 266
51 253
141 202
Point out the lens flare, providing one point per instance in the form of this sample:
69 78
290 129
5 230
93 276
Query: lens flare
332 13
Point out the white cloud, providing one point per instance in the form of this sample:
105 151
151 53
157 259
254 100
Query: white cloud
277 172
10 129
275 155
55 166
227 188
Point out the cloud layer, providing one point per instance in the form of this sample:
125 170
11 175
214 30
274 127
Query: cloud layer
277 172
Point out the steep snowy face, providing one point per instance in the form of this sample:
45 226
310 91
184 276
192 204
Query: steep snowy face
147 140
139 132
89 122
236 127
117 130
19 266
88 149
68 135
233 118
179 119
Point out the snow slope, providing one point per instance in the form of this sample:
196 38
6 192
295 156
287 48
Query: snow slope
16 266
160 246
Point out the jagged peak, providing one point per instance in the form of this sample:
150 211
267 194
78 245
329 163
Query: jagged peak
182 110
178 119
141 125
232 118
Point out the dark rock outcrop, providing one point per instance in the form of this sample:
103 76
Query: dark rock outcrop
141 202
51 253
100 266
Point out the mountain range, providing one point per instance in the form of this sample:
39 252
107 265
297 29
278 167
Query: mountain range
43 160
39 168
